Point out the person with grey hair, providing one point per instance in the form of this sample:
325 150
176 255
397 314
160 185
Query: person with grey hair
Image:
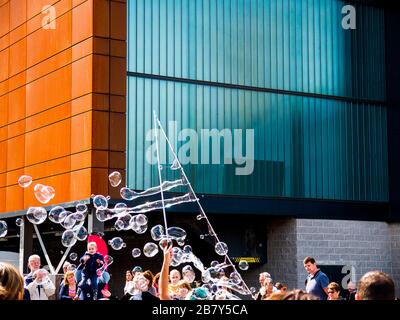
37 282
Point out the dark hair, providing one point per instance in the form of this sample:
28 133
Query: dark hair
309 259
299 295
376 285
149 276
334 286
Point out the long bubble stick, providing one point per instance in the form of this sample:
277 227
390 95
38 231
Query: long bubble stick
159 172
198 200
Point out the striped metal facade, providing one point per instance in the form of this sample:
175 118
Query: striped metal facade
313 92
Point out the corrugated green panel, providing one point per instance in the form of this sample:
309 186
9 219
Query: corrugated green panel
303 147
296 45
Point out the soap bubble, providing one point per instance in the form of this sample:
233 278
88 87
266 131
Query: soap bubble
73 256
115 178
117 243
25 181
104 214
202 236
200 216
157 232
141 219
3 228
221 248
188 274
78 216
120 208
72 266
235 277
253 290
100 202
243 265
81 233
68 238
165 242
81 208
127 194
136 252
176 233
36 215
187 249
69 221
214 263
57 214
177 254
44 193
180 242
123 222
139 229
19 222
150 249
211 274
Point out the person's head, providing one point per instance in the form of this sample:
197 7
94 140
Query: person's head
11 283
351 286
92 247
34 262
299 295
281 287
262 277
66 266
333 291
269 285
183 288
69 278
128 275
375 285
141 283
310 265
149 277
174 276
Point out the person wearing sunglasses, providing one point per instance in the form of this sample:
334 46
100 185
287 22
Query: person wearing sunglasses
334 291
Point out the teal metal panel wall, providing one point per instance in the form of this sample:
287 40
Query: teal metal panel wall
328 147
296 45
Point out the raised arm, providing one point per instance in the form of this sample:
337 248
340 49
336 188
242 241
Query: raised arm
163 287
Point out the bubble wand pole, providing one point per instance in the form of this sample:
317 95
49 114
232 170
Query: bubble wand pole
159 172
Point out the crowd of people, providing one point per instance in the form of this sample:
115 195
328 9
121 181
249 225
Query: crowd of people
89 282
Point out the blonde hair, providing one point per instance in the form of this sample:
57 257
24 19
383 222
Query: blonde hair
66 275
11 283
92 244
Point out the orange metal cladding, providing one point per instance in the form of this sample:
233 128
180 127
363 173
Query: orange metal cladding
62 98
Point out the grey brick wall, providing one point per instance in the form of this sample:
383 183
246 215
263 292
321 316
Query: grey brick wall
395 247
282 251
365 245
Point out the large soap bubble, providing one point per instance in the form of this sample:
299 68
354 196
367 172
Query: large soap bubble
100 202
221 248
115 178
117 243
150 249
57 214
136 252
44 193
243 265
68 238
157 232
36 215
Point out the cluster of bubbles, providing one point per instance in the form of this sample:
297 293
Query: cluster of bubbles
133 218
